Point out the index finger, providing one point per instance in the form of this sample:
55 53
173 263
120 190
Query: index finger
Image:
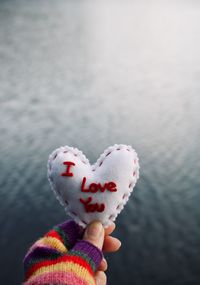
110 229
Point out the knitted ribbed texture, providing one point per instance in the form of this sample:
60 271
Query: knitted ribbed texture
61 258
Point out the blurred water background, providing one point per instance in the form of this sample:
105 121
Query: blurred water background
91 73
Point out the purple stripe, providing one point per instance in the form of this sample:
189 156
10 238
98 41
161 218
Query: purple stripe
90 250
72 231
40 252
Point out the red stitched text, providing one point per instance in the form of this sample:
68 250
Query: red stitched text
95 187
67 172
89 207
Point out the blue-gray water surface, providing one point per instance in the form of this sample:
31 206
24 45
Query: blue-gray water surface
90 74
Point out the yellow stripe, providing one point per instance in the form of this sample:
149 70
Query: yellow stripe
54 243
79 270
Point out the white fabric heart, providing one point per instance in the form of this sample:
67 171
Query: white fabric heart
93 192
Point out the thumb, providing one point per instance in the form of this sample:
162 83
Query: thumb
94 234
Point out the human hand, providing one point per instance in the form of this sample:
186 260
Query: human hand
101 238
69 255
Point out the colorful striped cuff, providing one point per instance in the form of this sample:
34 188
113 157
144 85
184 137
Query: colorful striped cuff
50 262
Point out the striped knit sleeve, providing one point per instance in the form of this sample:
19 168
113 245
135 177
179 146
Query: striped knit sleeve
58 258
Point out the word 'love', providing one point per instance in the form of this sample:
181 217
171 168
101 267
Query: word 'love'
92 188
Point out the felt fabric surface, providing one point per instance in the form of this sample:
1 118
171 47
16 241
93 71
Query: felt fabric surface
93 192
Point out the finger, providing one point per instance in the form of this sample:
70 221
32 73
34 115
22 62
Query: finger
110 229
94 234
103 265
111 244
100 278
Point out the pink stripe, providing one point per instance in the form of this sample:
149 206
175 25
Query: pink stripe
37 244
67 278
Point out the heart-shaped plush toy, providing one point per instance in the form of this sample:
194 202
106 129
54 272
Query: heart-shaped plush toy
93 192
